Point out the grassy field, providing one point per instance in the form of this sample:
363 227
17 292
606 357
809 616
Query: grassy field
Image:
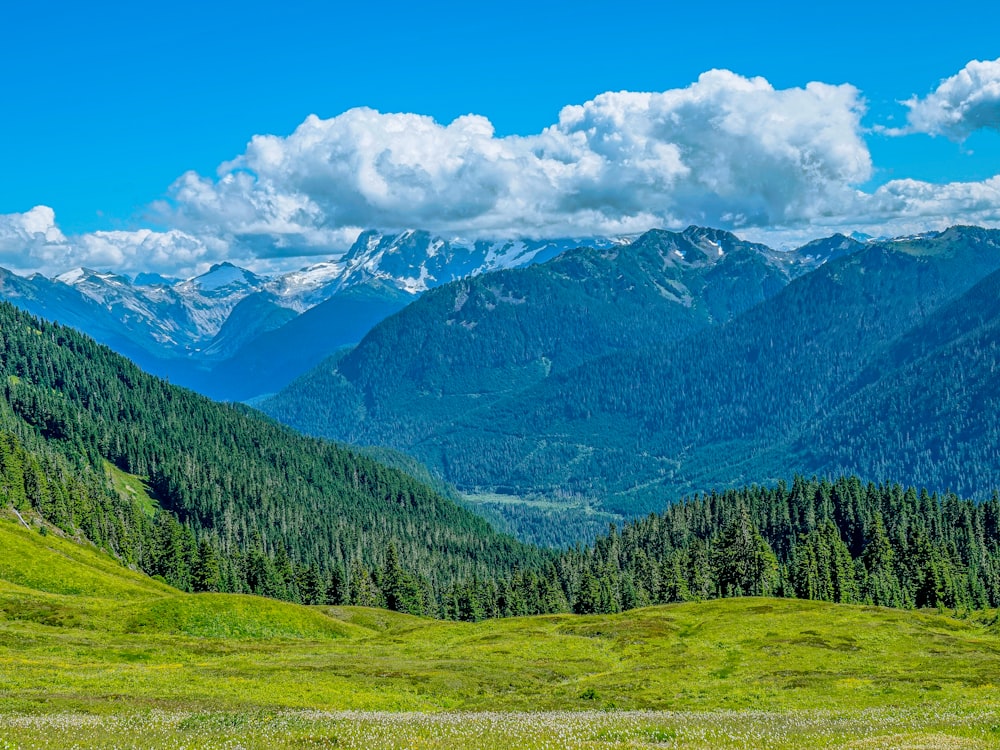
93 655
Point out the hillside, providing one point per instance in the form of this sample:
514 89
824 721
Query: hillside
245 505
718 674
924 408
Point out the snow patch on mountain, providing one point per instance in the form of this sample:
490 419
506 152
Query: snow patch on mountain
222 275
307 279
73 276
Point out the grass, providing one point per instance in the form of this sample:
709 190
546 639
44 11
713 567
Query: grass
131 486
93 655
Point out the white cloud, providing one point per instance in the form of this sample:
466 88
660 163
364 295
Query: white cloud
899 207
146 250
779 165
952 203
28 240
725 150
962 104
32 241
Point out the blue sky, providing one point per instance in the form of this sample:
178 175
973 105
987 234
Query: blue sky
110 104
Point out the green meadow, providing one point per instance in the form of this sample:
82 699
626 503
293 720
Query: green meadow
94 655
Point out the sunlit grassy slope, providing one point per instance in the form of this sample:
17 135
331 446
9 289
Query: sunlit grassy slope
82 640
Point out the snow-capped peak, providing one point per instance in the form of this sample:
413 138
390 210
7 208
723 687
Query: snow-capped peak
223 274
73 276
298 288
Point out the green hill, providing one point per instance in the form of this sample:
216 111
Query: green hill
206 670
229 501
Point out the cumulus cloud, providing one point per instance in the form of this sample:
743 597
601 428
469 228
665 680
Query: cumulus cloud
962 104
778 165
725 150
32 241
146 250
899 207
956 202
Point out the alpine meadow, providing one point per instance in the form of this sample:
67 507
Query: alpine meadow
473 377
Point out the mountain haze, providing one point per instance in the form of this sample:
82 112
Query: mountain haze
212 333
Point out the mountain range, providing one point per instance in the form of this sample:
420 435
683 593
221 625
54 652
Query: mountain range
680 363
480 339
234 335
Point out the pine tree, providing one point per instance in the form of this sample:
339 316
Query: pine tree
207 573
744 563
881 586
588 595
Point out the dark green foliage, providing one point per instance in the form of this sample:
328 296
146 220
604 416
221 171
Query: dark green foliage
842 541
245 505
822 540
207 573
821 566
403 592
743 562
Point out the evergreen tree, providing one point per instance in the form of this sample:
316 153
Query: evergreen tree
744 563
588 595
207 573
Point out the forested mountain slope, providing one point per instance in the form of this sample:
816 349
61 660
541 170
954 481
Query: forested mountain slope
473 342
926 407
726 405
268 508
717 406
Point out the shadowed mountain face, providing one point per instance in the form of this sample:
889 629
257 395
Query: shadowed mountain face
676 364
926 406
